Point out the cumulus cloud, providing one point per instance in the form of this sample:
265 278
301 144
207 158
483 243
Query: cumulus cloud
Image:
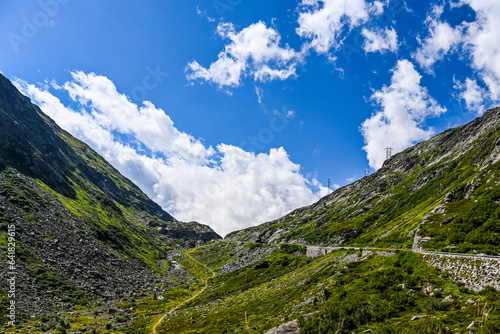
351 179
380 40
404 106
479 43
325 22
148 124
472 94
482 42
254 51
225 187
441 40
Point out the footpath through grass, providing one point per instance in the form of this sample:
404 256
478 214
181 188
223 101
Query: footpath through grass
161 320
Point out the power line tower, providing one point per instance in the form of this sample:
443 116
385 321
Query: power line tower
367 172
388 152
329 189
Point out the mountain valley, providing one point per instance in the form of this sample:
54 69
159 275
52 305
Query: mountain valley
411 248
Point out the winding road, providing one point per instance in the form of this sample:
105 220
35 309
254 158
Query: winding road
322 250
326 250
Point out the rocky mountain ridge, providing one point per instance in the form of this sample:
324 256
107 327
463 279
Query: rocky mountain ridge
438 185
82 230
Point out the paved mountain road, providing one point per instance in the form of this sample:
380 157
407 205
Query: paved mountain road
322 250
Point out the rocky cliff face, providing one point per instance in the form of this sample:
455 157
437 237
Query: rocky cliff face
82 230
192 233
446 186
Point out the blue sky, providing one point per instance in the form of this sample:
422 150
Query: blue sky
235 112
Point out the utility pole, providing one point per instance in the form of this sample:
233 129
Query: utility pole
329 189
388 152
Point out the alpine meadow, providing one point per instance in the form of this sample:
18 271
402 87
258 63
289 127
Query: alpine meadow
232 166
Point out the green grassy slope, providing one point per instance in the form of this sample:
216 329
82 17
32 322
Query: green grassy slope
342 292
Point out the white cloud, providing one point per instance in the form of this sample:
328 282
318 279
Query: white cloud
377 7
148 124
441 40
324 22
404 107
482 41
259 93
380 40
479 42
204 14
472 94
226 187
254 51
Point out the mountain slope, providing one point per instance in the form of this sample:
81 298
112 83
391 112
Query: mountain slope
253 288
446 188
34 145
345 291
97 256
82 230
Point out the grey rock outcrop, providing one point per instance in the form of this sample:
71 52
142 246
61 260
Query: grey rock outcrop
245 256
291 327
475 274
187 231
